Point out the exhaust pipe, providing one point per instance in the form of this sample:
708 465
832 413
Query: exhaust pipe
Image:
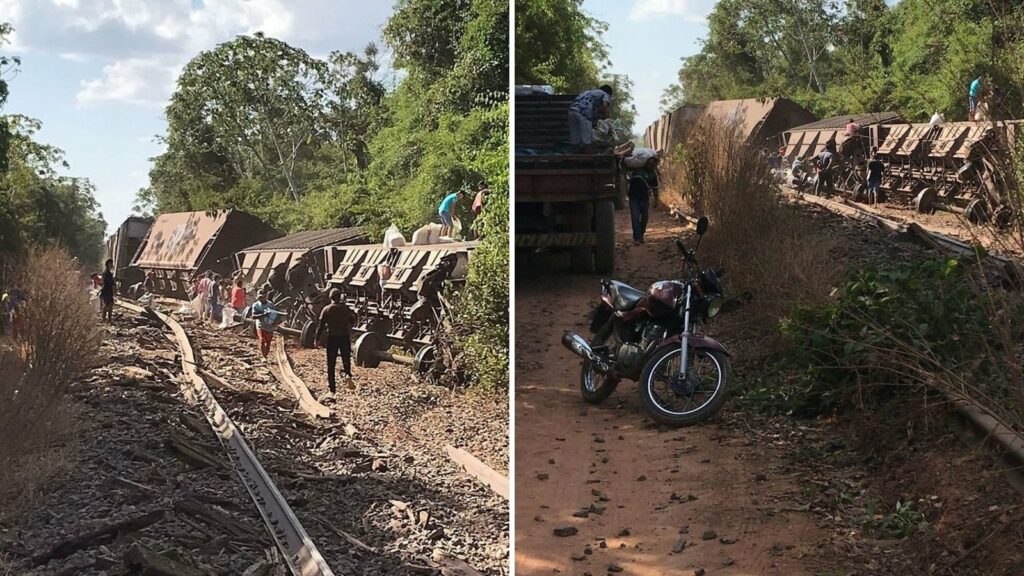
579 346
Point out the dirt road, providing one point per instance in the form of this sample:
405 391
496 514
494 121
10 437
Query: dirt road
661 501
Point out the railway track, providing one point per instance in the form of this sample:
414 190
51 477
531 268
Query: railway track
300 553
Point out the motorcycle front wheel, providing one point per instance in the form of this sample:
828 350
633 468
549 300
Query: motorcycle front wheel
675 401
596 387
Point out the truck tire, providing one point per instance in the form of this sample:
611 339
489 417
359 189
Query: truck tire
604 223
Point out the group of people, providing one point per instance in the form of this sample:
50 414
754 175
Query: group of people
827 163
211 292
446 210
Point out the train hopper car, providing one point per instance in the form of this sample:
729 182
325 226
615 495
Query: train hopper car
320 251
396 294
181 245
122 247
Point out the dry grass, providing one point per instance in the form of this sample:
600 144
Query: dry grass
59 342
767 249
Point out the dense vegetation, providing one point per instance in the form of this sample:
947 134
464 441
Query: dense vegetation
852 56
557 43
261 126
37 205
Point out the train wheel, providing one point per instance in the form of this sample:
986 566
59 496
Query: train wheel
924 202
977 211
367 350
308 336
1004 217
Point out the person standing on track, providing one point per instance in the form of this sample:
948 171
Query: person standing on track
107 292
826 162
585 111
875 168
265 315
338 320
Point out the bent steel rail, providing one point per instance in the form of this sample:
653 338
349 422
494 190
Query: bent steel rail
299 552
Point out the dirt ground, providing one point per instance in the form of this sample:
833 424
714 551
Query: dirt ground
896 490
674 500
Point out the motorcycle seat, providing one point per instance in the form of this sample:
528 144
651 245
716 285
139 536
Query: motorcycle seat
624 296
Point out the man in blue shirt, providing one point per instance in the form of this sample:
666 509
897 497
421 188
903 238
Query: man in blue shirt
584 113
265 315
973 96
446 211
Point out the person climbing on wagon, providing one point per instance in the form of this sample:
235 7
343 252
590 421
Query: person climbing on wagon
446 211
585 111
973 95
337 319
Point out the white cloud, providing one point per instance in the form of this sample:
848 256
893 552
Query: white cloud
144 81
691 10
146 40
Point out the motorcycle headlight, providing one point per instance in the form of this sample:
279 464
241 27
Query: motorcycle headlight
714 306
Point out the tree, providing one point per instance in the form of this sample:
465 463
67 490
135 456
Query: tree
249 108
557 43
7 65
38 206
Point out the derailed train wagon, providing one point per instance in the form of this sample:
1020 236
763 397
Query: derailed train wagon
954 167
397 295
122 247
292 269
181 245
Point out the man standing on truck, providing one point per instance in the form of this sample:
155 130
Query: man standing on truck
585 111
337 319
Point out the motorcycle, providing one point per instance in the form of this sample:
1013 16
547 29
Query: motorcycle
654 338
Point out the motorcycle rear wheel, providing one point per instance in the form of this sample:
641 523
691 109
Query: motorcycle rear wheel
596 387
658 369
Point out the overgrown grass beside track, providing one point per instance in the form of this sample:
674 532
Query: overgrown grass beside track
59 341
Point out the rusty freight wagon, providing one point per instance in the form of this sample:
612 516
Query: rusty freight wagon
183 244
121 248
955 167
758 122
317 252
563 199
397 295
809 140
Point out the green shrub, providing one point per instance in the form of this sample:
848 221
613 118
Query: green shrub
925 323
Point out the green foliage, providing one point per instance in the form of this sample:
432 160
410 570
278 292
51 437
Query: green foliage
902 522
837 57
908 324
557 43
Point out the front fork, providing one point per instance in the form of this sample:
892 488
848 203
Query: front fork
684 341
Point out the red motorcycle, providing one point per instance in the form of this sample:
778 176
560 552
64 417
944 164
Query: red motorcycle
654 338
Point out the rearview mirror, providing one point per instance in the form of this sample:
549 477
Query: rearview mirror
702 225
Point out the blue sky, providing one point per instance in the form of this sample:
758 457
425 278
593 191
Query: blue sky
98 73
646 39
